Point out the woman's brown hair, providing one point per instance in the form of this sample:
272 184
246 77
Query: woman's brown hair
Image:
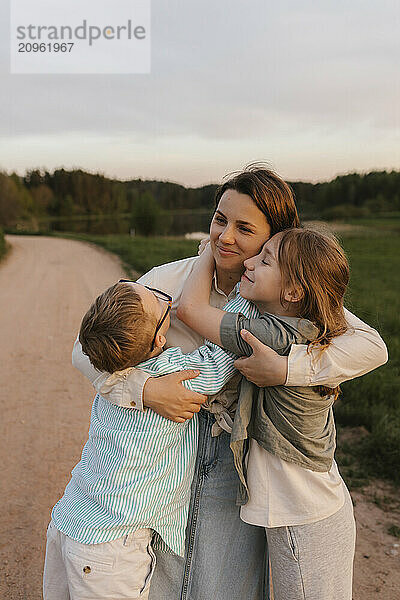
316 267
272 196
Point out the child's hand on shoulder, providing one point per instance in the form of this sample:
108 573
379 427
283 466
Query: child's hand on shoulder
202 245
206 258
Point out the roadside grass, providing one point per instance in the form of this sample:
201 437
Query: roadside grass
373 401
140 254
394 530
378 225
3 245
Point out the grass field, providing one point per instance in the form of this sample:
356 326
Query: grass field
373 401
3 245
141 253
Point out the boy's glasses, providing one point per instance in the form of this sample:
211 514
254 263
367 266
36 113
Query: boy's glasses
161 296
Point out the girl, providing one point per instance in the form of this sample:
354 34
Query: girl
295 491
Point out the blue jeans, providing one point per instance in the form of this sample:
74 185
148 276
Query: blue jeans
225 558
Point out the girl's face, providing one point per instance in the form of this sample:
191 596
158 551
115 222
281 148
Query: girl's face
238 230
262 281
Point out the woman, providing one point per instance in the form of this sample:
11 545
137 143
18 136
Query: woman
225 557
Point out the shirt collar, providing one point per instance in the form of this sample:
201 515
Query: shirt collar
232 294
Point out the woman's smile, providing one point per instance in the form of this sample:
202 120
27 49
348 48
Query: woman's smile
225 251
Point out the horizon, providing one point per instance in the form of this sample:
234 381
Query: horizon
158 180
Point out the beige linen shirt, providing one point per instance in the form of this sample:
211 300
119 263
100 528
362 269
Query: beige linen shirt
350 355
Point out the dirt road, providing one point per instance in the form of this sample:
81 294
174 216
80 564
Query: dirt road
46 285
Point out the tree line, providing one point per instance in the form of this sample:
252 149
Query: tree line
40 194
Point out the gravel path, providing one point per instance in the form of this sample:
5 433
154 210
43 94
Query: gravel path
46 285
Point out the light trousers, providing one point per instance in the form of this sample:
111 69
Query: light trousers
117 570
315 561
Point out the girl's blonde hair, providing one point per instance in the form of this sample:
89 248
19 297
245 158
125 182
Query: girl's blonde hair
316 267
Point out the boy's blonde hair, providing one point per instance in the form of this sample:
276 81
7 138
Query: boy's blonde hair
117 331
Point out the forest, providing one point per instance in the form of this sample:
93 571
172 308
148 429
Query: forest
25 200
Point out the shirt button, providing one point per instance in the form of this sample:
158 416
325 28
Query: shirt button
87 569
133 403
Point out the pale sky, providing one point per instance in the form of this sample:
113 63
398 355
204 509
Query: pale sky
311 87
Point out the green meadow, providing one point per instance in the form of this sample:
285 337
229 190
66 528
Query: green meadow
371 402
3 245
138 253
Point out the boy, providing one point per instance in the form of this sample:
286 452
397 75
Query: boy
135 473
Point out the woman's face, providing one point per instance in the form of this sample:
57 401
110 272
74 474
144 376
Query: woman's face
238 231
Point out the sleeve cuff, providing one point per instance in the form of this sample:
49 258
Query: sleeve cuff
229 332
132 391
124 388
299 366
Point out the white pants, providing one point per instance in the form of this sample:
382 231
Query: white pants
120 569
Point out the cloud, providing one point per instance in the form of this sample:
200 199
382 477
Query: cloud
229 72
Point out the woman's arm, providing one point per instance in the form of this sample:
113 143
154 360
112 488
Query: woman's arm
168 397
194 306
137 389
358 351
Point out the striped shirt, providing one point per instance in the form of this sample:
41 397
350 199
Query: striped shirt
137 467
